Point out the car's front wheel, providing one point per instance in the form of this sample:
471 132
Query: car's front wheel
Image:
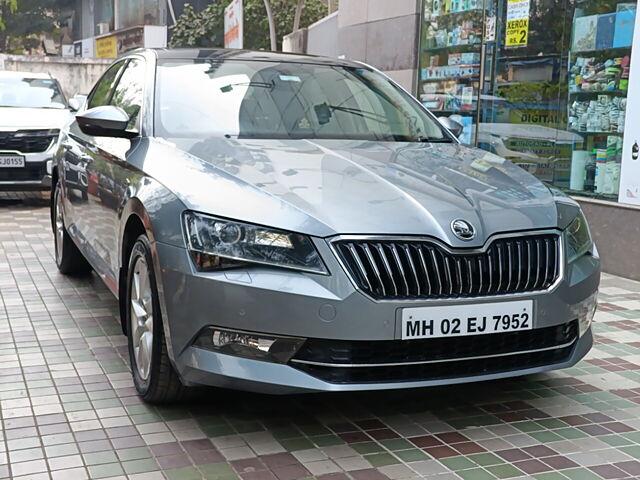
69 259
153 374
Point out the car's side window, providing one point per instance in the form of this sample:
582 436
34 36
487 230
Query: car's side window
128 92
102 92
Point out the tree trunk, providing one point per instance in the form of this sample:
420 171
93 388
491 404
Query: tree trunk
296 19
272 26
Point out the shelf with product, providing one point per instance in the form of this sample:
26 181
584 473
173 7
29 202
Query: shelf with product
450 60
598 68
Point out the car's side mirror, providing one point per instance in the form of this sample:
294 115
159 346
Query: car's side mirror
454 127
77 102
105 121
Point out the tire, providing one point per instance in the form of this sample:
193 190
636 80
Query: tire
69 259
155 378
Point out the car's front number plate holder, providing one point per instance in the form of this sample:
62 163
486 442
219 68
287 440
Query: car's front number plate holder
11 161
461 320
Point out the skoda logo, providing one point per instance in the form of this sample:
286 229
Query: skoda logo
463 229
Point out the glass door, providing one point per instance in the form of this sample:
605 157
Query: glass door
523 113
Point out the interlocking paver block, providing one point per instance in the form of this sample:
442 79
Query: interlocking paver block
69 410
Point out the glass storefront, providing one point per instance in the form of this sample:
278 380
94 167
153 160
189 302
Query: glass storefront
135 13
103 16
110 15
540 82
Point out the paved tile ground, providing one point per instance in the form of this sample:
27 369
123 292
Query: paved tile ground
69 410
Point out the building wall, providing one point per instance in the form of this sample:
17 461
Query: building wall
322 37
615 228
382 33
76 75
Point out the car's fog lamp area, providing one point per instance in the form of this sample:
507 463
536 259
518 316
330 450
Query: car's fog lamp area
217 243
255 346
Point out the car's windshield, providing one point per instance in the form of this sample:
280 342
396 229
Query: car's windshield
28 92
256 99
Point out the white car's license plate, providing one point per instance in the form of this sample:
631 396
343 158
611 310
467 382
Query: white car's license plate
460 320
11 161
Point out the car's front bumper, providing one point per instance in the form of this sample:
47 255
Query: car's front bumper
34 176
281 302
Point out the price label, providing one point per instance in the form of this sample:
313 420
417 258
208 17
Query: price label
517 33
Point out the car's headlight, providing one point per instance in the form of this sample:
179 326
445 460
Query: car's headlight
578 239
217 243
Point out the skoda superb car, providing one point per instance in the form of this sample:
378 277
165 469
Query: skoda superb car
33 109
282 223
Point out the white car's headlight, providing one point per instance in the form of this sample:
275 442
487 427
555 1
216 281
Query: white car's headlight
216 243
578 238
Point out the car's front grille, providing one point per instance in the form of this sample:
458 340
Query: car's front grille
30 172
27 141
338 361
414 269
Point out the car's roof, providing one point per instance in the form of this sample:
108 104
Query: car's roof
247 55
12 74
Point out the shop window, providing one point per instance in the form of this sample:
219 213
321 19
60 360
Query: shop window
132 13
542 83
103 15
599 61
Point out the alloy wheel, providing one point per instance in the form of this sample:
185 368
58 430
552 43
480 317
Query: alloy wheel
141 314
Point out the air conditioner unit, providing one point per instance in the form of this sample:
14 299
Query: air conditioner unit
103 28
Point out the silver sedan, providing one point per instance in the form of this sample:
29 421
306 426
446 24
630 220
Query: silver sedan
285 223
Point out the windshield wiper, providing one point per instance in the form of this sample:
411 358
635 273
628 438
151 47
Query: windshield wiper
376 117
228 88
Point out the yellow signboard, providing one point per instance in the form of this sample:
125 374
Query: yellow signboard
107 47
517 31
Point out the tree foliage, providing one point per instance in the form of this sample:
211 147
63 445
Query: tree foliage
206 28
25 21
6 7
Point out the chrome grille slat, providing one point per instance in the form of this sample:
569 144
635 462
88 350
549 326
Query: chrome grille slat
396 257
537 264
407 251
373 264
363 271
387 267
509 265
426 270
518 264
435 263
422 269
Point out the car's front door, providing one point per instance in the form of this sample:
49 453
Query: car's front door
82 154
115 172
106 169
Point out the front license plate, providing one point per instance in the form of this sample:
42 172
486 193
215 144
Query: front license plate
11 161
461 320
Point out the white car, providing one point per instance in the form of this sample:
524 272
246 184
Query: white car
33 109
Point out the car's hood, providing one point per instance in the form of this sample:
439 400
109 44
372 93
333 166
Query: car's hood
358 187
12 118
